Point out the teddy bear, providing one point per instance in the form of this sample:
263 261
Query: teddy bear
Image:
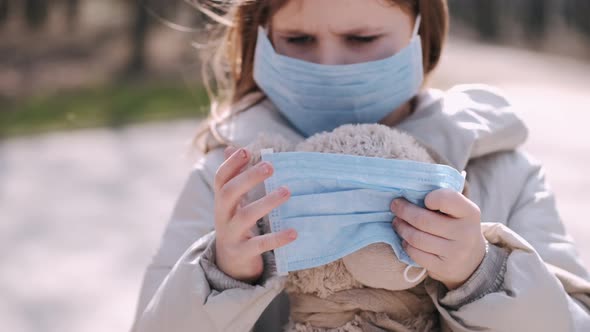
365 290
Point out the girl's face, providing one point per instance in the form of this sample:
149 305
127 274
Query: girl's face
336 32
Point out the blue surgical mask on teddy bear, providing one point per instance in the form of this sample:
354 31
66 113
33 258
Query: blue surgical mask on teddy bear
317 97
340 203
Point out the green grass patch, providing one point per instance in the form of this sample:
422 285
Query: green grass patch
107 106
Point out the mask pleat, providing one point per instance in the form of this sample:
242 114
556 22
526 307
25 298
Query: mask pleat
340 203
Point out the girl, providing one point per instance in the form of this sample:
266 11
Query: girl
497 260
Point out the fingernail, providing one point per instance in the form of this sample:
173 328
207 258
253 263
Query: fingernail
292 234
265 167
243 153
283 191
394 204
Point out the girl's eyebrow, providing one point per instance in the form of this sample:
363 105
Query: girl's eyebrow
360 30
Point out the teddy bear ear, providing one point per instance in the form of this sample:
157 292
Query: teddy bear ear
268 141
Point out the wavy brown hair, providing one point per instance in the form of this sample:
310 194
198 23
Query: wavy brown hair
228 63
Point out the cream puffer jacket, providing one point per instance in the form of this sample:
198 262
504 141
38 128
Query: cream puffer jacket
544 285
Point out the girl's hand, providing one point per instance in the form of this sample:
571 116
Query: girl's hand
238 250
448 244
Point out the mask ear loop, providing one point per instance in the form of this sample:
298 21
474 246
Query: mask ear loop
417 25
407 278
266 31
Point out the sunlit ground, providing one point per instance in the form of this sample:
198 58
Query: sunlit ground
82 211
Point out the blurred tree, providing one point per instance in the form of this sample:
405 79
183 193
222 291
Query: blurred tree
462 10
72 12
36 12
3 11
535 17
576 14
486 18
140 29
139 34
482 15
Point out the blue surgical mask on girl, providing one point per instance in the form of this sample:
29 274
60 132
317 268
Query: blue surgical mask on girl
340 203
317 97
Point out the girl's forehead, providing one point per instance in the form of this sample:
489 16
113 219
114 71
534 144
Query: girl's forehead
345 17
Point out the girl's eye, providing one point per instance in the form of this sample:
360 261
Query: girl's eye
362 39
300 40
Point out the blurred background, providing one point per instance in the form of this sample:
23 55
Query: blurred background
99 101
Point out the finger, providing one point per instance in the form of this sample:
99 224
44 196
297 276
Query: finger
427 260
230 167
231 193
257 245
423 219
451 203
422 240
229 150
248 215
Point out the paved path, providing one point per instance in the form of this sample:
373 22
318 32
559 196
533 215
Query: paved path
82 212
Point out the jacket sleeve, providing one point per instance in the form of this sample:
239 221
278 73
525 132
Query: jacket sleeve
544 285
176 294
